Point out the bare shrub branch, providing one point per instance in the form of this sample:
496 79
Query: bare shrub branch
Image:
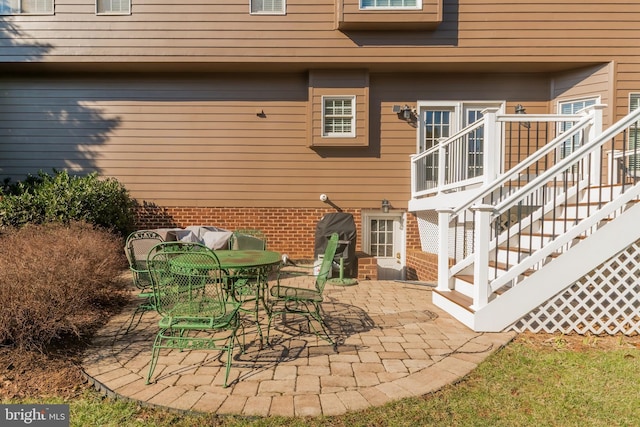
51 278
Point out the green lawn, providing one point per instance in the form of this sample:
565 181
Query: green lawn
523 384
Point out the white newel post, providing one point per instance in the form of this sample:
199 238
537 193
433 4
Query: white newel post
492 143
482 231
444 281
595 172
413 176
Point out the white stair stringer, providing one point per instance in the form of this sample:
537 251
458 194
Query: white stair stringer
554 277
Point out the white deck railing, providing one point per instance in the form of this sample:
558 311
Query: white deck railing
482 151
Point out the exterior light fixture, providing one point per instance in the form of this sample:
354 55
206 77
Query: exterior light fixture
385 205
521 110
405 112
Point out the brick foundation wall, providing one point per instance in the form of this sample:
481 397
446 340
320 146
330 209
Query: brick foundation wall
422 266
288 230
367 266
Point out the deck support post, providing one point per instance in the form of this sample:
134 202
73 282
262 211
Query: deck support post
444 280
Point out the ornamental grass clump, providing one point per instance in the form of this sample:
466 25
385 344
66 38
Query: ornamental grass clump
54 279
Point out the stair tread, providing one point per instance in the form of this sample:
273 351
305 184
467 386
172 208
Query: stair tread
457 298
504 266
465 277
520 249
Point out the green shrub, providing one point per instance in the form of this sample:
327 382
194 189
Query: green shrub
63 198
54 278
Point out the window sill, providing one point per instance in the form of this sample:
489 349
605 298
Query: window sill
340 142
349 16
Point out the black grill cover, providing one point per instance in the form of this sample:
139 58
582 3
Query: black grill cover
343 224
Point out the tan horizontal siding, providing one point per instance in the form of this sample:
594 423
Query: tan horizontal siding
170 140
196 140
217 32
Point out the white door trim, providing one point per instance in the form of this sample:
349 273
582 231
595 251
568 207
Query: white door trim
400 216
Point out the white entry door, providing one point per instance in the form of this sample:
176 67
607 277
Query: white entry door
384 239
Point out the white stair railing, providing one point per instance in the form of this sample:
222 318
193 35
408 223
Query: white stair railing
554 187
456 225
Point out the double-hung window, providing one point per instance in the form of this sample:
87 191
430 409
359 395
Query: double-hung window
572 107
113 7
390 4
268 7
338 116
20 7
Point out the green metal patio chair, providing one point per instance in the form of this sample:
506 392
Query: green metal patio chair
248 239
137 246
247 282
190 295
304 301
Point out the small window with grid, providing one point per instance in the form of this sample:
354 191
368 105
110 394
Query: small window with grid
338 116
268 7
26 7
113 7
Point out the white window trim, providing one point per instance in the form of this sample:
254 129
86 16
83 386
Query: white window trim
632 95
53 8
368 215
573 100
418 6
559 103
113 13
351 134
283 12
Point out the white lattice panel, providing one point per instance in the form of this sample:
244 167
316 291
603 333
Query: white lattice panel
428 227
460 240
605 301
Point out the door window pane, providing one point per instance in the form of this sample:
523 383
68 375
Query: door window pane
475 144
381 238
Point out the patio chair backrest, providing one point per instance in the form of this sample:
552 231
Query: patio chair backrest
327 262
248 240
187 280
137 246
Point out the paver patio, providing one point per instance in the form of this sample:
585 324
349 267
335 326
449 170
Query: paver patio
394 343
